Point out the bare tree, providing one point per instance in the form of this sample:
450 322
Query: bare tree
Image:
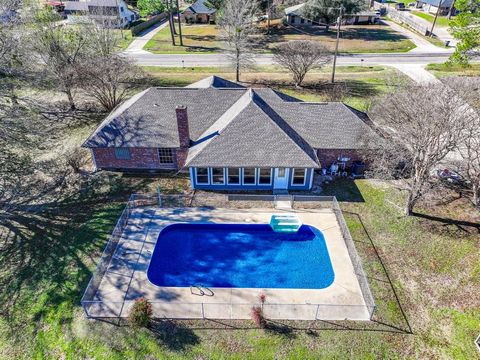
301 56
59 50
237 25
468 88
108 79
421 126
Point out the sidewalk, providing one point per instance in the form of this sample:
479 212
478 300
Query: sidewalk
140 41
416 72
423 45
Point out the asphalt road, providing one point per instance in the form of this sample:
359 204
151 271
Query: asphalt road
195 60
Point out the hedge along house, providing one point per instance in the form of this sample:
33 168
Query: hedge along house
227 136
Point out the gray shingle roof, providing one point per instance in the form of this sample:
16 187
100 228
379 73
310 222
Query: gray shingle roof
234 126
200 7
445 3
255 137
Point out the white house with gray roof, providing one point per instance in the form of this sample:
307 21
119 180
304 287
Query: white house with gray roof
228 137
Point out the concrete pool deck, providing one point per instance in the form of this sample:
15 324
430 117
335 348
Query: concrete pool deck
126 276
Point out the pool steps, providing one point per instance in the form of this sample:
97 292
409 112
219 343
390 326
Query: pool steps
285 223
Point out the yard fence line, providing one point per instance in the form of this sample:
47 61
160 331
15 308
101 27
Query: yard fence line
134 201
137 29
95 308
403 18
228 311
356 261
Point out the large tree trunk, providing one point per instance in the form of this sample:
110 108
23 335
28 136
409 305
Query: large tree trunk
71 101
237 72
476 195
409 204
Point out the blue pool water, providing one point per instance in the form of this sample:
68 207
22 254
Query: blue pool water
240 255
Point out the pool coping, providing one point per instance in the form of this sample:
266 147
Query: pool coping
341 300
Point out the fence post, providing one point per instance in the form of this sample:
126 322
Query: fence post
159 194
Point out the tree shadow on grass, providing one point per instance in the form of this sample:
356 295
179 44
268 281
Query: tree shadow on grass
459 224
174 335
49 250
389 312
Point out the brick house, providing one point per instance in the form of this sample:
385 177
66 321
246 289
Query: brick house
228 137
199 13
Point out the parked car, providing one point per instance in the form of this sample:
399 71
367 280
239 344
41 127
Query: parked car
400 6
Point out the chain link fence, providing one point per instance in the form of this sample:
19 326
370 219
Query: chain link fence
96 308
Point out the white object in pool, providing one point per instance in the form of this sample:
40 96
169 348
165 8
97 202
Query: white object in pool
285 223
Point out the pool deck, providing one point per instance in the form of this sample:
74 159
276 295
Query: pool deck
126 277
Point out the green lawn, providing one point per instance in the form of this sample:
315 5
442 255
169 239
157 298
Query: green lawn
441 20
442 70
126 38
424 273
354 39
432 269
357 85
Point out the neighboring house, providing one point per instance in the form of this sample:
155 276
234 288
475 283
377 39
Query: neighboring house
432 6
294 16
199 13
228 137
113 13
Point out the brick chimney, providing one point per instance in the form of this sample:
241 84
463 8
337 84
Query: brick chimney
183 129
183 136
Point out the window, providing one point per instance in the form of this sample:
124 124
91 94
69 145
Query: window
233 176
298 177
202 176
218 176
302 20
122 153
281 172
165 155
265 177
249 176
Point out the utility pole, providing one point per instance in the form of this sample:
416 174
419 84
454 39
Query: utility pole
170 21
179 24
436 16
339 21
269 15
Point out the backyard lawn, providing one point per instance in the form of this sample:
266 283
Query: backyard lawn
354 39
423 273
442 70
356 85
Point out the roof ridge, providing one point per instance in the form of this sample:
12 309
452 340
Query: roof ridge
304 147
219 125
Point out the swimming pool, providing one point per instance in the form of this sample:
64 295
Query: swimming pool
240 256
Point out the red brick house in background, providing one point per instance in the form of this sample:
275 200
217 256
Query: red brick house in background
229 137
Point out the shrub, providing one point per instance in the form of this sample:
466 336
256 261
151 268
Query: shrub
140 313
258 317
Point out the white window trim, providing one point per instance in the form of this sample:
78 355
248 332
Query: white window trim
254 176
239 176
304 177
271 177
208 177
210 170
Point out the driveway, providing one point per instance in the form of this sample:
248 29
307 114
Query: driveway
137 45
